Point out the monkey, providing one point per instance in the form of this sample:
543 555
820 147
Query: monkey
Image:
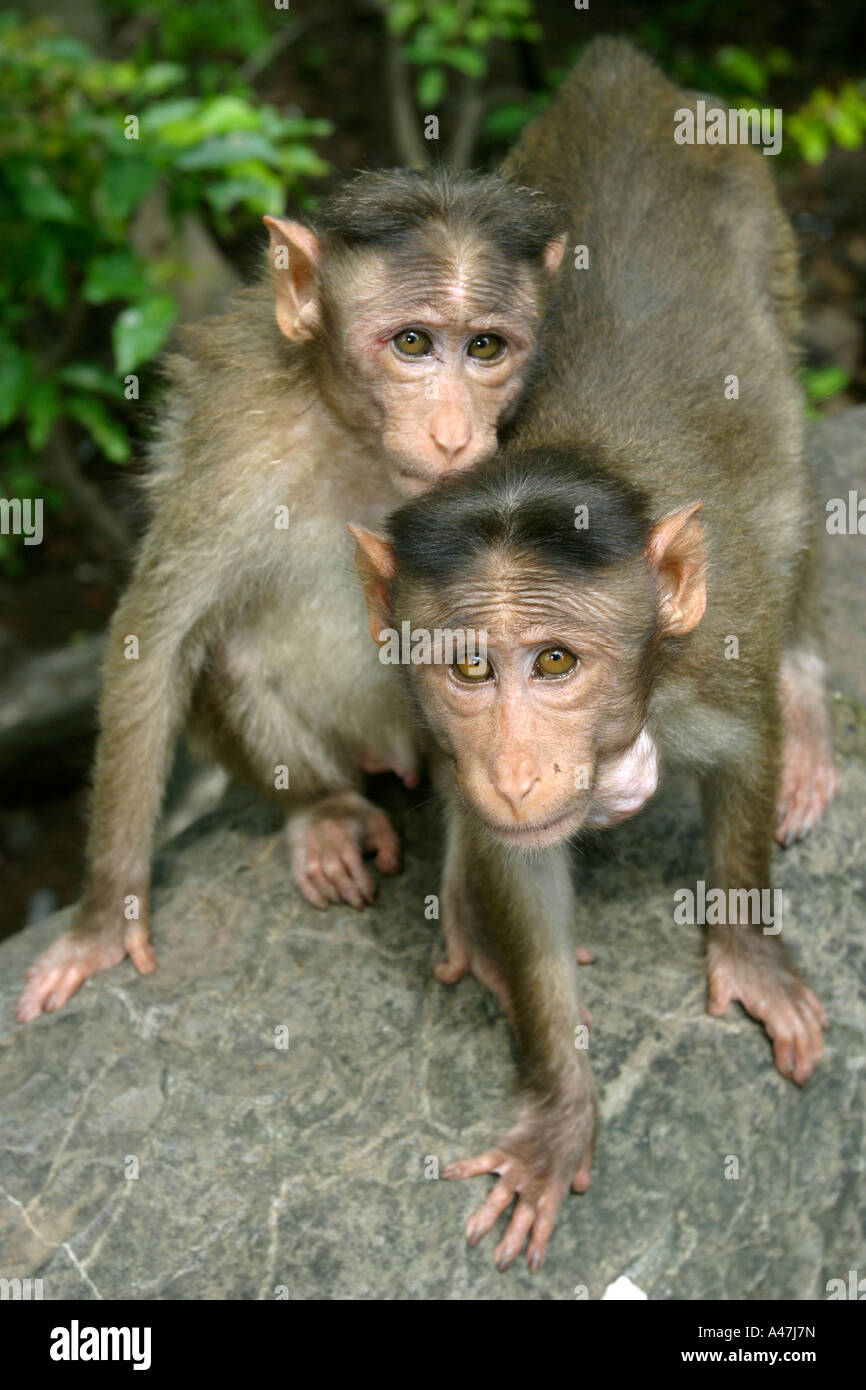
580 153
382 349
635 520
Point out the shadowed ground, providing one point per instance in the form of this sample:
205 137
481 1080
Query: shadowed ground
305 1167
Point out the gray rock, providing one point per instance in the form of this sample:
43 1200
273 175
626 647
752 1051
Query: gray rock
305 1167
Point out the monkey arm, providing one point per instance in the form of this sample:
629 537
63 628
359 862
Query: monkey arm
147 680
516 933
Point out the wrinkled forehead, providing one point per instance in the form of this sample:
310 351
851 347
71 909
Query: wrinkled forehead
515 602
438 277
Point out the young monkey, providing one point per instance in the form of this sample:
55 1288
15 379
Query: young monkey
640 518
381 351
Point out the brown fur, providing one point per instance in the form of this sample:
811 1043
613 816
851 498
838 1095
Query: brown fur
257 633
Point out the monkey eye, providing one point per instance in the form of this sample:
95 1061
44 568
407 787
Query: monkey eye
412 342
486 346
478 668
555 661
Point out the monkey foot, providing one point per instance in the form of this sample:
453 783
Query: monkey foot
64 967
534 1215
328 843
809 781
768 988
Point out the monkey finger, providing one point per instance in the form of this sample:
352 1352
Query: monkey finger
139 947
71 979
541 1231
314 889
449 971
792 1045
493 1161
33 997
487 1215
511 1244
584 956
355 888
582 1180
380 839
814 1003
720 996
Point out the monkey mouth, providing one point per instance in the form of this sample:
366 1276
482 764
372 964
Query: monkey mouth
540 835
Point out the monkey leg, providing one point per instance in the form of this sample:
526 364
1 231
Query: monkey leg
243 721
809 777
745 962
516 938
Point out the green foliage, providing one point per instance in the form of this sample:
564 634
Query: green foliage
823 384
826 119
83 142
439 36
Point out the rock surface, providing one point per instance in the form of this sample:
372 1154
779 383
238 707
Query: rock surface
303 1168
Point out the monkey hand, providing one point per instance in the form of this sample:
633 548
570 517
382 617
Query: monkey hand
328 842
538 1172
73 958
756 971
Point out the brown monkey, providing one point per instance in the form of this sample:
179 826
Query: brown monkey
584 153
636 522
405 330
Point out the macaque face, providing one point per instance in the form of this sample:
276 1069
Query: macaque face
443 356
537 727
540 637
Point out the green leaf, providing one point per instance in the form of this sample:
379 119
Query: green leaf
431 88
41 408
178 111
846 130
466 60
49 279
118 275
160 76
15 376
822 383
140 331
123 185
88 376
811 137
225 150
223 115
40 197
742 69
107 433
505 122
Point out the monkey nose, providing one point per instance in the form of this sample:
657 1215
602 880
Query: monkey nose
450 430
514 779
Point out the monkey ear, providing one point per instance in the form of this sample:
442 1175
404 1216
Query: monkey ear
678 554
551 256
376 565
294 257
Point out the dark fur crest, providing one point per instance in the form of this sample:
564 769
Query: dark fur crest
525 505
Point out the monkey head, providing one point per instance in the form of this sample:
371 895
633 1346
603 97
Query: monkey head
571 593
420 299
